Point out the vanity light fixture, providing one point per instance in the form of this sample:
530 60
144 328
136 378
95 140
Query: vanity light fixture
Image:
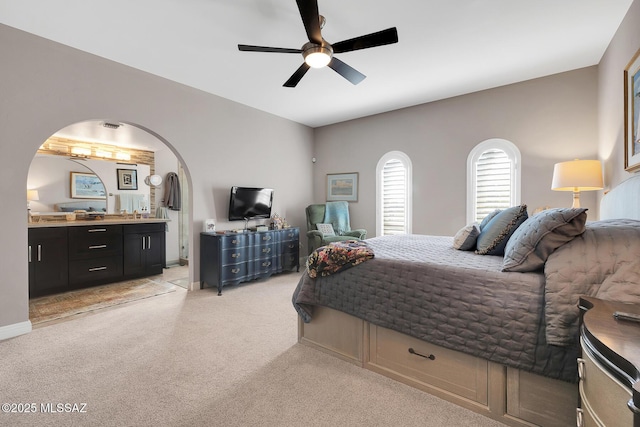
81 151
120 155
104 154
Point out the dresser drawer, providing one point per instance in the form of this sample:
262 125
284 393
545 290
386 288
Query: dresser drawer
233 273
234 255
233 241
605 396
98 241
289 234
428 365
96 270
290 260
266 250
264 267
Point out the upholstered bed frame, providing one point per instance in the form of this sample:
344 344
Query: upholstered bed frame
512 396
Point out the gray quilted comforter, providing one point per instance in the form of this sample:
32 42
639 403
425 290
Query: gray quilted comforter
603 262
422 287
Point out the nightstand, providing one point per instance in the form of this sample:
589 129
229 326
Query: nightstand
609 368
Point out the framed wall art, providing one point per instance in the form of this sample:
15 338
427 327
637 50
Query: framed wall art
127 179
87 186
632 114
342 186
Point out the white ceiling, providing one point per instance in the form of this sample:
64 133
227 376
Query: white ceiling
446 47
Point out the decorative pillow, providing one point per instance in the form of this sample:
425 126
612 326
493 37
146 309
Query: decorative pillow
494 236
326 229
532 243
466 238
488 218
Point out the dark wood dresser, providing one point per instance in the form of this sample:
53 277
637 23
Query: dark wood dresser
231 258
609 368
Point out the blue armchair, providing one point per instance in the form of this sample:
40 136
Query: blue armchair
336 214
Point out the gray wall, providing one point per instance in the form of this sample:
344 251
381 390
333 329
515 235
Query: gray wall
611 96
46 86
551 119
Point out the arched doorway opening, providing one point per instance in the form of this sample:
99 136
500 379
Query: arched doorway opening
104 149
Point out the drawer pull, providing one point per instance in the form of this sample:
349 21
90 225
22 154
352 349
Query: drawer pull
266 250
236 255
291 246
581 368
234 242
268 237
235 270
430 357
97 268
96 230
266 264
579 418
97 246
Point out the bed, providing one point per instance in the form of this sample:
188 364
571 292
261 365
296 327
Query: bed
453 323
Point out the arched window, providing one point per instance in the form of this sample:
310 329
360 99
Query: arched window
493 178
393 194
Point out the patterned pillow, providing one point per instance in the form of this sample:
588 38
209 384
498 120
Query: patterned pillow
494 236
465 239
533 242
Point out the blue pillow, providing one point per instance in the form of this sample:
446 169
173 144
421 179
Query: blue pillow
495 234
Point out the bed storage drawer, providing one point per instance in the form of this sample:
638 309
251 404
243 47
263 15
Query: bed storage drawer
426 365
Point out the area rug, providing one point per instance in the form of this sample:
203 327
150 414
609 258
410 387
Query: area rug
53 307
183 283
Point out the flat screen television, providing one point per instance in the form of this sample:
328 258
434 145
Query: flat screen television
248 203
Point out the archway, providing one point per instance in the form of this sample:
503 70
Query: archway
136 148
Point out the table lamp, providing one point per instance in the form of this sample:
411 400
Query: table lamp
577 175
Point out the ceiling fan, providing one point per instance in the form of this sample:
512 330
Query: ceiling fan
318 53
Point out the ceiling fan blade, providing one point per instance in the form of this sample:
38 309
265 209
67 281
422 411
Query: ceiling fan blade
381 38
310 19
346 71
295 78
249 48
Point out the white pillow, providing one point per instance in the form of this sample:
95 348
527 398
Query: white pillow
326 229
466 238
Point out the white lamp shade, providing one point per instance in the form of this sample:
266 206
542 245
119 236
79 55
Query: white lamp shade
32 195
577 175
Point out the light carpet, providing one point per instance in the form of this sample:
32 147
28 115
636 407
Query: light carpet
198 359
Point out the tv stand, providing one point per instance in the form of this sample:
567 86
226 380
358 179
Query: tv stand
232 258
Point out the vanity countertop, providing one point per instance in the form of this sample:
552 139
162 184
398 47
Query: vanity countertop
75 223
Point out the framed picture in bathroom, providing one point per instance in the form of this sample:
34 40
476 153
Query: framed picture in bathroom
127 179
86 186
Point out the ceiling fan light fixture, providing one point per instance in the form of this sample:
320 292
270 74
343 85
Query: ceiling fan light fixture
317 56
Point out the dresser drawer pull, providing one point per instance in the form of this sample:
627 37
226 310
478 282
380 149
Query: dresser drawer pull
97 268
581 368
96 230
268 237
235 270
292 245
579 418
234 242
266 264
266 250
97 247
430 357
236 255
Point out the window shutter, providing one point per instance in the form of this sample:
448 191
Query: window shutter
394 197
493 182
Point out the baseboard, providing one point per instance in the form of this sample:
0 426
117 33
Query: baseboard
15 329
